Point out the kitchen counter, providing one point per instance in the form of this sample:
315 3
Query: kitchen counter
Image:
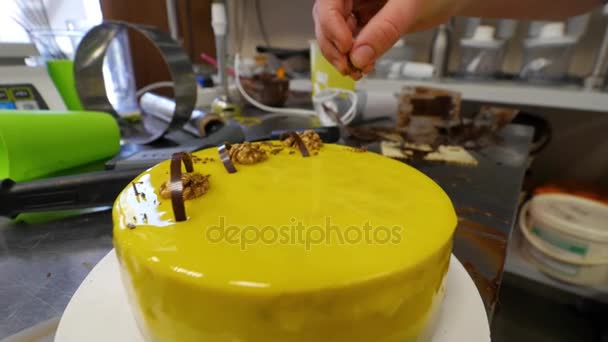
42 264
486 199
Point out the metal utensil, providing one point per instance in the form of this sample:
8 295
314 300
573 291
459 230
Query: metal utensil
90 84
69 192
201 123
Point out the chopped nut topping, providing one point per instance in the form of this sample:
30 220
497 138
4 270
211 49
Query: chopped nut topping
195 185
205 160
247 153
358 149
310 138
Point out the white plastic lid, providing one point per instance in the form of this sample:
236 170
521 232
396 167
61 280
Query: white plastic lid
551 34
552 30
484 33
418 70
483 38
573 215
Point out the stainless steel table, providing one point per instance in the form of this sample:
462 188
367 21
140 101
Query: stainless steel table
42 264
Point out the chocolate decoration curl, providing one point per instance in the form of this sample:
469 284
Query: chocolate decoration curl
298 141
176 186
225 157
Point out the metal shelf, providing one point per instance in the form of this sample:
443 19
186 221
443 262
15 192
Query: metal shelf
506 93
497 92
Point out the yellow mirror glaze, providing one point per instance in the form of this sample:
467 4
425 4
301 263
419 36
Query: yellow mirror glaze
341 246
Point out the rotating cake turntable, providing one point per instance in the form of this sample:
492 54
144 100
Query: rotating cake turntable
99 310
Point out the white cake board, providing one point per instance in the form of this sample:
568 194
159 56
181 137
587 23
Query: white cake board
99 310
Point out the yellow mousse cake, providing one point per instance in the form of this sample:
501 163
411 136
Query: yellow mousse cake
342 245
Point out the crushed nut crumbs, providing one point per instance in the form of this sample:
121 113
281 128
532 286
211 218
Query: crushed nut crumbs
194 183
358 149
205 160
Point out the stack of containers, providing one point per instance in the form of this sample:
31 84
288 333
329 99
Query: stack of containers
547 57
482 55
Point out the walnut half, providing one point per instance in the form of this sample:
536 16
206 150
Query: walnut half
310 138
247 153
194 183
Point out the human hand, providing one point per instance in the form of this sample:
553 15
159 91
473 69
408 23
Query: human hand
353 34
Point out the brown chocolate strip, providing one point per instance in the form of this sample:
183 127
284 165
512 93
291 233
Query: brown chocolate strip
225 157
299 142
176 186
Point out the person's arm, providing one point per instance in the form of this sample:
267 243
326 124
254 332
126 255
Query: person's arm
353 34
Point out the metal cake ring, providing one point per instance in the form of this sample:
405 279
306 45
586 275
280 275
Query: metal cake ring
88 75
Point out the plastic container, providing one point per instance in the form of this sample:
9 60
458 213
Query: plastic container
324 75
55 44
547 57
481 56
338 100
567 237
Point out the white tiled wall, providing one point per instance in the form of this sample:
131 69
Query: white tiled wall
289 23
